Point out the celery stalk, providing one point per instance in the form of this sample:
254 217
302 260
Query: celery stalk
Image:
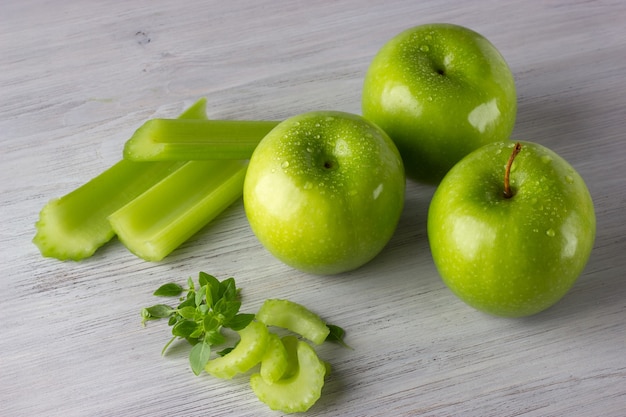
186 140
74 226
158 221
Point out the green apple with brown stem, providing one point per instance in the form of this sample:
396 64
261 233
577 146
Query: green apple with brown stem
511 228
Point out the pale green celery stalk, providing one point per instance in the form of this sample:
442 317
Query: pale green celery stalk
187 140
161 219
74 226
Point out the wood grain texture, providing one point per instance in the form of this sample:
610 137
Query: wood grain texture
78 77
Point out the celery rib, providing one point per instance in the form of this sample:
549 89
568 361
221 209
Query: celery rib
74 226
158 221
187 140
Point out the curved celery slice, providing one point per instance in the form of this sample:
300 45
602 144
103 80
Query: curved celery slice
188 140
274 362
244 356
155 223
75 226
295 317
298 392
290 343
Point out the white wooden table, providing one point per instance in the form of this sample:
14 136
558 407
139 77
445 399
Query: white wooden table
78 77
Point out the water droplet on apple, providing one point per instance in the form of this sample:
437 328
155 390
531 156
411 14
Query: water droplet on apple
569 179
424 48
309 149
550 232
546 159
430 98
285 164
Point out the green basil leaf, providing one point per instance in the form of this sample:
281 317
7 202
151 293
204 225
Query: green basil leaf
195 335
199 356
169 290
157 311
228 290
203 309
187 312
239 321
208 296
226 351
227 308
214 338
210 323
212 288
184 328
336 335
200 296
207 279
189 302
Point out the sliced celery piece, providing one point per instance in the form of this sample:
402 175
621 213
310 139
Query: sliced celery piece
299 392
187 140
274 363
290 343
247 354
295 317
74 226
158 221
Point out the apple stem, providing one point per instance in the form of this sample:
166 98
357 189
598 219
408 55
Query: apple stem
507 173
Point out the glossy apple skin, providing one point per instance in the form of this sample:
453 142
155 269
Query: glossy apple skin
440 91
518 256
324 191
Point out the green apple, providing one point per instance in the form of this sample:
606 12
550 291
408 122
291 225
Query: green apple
324 191
440 91
512 253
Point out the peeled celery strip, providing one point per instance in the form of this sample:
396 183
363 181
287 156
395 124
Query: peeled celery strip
161 219
75 226
187 140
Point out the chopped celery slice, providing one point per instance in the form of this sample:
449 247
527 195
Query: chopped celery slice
158 221
298 392
74 226
274 362
295 317
248 352
290 343
187 140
